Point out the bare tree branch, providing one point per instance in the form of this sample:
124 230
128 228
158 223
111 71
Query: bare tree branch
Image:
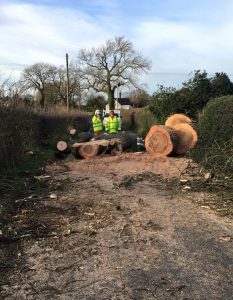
114 64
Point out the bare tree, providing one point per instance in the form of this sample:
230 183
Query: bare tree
37 77
59 81
114 64
5 84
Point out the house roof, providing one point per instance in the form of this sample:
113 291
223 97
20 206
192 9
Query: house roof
124 101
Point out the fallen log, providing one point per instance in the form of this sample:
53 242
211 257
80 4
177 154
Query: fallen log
83 137
177 119
93 148
127 139
161 140
72 132
187 137
62 146
63 149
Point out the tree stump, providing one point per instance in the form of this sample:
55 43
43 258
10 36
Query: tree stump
177 119
161 140
187 137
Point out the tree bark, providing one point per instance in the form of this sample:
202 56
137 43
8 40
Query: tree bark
42 98
127 139
111 99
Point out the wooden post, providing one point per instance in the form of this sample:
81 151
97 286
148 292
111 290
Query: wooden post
67 83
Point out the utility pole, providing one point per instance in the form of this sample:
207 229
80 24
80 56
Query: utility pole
67 84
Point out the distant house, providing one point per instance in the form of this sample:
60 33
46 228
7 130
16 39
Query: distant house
121 103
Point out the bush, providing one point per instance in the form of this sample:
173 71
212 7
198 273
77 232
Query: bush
192 97
214 149
55 126
17 134
21 130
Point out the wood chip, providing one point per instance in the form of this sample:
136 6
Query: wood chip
225 238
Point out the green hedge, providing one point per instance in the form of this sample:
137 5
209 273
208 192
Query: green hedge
215 132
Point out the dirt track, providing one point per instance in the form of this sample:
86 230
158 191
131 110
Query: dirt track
123 228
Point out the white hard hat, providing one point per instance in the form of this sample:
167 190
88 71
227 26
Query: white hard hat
97 112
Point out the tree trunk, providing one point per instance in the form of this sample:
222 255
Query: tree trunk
93 148
42 98
83 137
62 146
127 139
177 119
187 137
111 101
161 140
63 149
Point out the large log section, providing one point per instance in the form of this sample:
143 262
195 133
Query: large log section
177 119
94 148
187 137
128 139
161 140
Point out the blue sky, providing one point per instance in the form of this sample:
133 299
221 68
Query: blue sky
178 36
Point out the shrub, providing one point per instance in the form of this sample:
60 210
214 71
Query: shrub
54 126
215 130
17 133
192 97
21 130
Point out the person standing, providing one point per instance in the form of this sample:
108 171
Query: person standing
97 123
112 124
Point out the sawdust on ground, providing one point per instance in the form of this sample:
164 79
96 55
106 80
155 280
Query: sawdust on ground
122 227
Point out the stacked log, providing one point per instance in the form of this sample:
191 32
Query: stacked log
177 119
62 149
177 136
127 139
161 140
93 148
106 143
187 137
62 146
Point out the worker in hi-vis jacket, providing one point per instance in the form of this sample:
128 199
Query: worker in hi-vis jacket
97 123
112 124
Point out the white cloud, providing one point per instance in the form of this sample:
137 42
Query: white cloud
183 46
33 33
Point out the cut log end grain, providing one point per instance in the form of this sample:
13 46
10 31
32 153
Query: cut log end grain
72 131
177 119
62 146
187 137
90 149
160 140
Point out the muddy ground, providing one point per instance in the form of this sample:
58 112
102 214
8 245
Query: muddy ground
124 227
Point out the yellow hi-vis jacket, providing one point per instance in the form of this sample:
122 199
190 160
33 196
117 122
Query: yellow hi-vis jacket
97 124
112 125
